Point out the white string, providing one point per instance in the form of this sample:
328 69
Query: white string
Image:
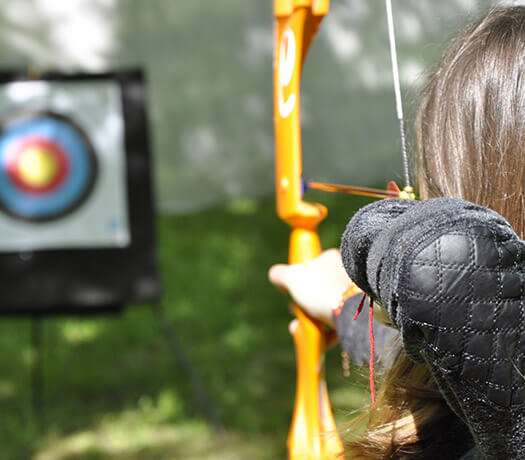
397 88
393 55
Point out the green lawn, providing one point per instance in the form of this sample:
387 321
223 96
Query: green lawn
112 387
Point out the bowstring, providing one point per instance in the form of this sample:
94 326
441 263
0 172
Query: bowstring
408 191
397 91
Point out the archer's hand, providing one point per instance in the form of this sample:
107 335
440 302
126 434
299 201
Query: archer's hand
316 286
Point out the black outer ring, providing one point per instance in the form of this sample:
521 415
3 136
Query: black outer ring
28 115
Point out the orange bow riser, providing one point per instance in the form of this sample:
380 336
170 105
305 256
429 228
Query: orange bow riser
313 433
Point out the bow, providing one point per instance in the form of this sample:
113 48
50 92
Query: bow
313 432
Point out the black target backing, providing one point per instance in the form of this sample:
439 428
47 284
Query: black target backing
91 278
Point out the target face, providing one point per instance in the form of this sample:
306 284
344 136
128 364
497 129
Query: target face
47 166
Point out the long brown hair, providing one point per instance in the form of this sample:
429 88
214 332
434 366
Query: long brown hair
470 126
470 131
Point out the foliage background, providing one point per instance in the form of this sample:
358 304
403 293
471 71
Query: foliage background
112 387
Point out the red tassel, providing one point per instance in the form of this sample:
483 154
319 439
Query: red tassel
371 364
360 308
372 351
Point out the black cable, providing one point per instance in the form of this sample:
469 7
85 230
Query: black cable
37 372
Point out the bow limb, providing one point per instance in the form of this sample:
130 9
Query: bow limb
313 434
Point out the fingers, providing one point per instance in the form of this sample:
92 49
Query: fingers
292 327
331 254
316 285
278 275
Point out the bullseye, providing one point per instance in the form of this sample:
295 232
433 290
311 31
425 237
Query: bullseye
37 165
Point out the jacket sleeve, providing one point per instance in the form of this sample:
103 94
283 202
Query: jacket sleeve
450 274
354 335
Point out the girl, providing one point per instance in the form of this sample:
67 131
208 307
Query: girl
447 273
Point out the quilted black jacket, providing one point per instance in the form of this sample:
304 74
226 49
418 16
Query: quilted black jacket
451 276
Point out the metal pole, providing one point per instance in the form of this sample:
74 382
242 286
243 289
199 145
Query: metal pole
37 372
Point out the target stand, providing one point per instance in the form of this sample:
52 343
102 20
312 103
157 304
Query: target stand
76 200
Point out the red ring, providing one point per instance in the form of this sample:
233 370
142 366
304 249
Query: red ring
13 159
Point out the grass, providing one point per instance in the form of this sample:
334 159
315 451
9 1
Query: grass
113 389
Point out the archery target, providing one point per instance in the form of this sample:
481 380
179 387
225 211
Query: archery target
47 167
63 165
76 214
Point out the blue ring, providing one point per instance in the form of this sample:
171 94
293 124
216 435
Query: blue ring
80 168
